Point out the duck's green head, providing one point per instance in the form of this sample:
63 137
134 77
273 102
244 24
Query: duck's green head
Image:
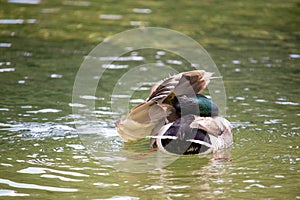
196 104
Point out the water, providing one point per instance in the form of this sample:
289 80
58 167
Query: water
255 45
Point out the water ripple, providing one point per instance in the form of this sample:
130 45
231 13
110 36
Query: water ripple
34 186
6 69
286 103
11 193
38 130
25 1
61 178
77 3
46 110
104 185
41 170
4 44
142 10
110 16
17 21
120 198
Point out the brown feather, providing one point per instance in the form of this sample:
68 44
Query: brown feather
141 121
191 82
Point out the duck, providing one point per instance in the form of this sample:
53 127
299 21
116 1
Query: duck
177 118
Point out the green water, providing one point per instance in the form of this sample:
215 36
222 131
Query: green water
255 45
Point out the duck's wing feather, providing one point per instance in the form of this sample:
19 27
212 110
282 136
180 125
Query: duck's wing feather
191 82
141 121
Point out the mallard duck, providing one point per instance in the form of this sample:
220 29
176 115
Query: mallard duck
178 119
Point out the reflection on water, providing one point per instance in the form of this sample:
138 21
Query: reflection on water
34 186
294 56
39 170
44 42
4 44
25 1
77 3
11 193
17 21
6 69
110 16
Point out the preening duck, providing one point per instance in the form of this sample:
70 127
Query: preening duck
177 118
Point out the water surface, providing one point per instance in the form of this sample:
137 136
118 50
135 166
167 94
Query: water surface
255 45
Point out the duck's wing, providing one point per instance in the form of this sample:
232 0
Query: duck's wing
215 126
141 121
192 82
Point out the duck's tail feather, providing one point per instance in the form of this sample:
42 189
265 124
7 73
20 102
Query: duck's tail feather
213 125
